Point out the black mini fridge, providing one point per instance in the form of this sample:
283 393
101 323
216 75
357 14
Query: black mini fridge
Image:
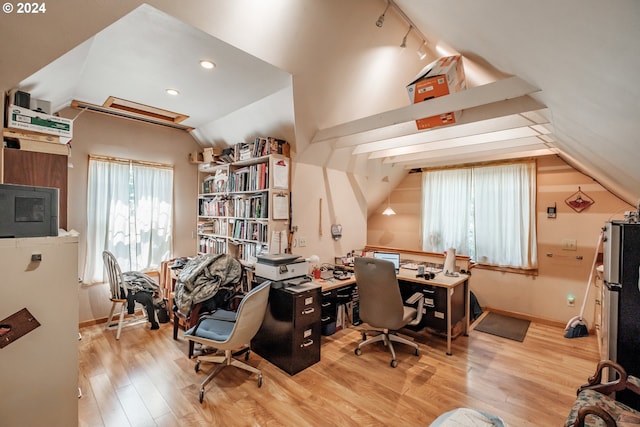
621 300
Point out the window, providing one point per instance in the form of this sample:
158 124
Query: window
487 213
129 213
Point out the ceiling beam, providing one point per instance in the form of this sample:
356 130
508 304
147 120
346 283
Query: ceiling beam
500 90
407 133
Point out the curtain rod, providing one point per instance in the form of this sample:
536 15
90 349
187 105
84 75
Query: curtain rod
129 161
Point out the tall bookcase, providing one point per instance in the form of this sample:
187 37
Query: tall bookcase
243 205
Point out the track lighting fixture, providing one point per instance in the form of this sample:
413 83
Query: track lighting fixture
380 21
422 50
404 39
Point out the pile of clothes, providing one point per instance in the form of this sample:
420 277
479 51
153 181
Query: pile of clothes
203 277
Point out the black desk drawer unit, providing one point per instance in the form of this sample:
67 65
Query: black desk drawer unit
331 300
290 334
434 314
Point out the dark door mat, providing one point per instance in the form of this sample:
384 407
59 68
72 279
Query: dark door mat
504 326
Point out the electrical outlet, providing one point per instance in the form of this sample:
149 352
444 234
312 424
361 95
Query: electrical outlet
569 244
571 301
302 242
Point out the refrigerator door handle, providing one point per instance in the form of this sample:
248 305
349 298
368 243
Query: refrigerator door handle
615 287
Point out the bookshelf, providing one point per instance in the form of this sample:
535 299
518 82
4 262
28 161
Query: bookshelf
243 200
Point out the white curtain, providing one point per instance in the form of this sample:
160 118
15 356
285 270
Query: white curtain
487 213
505 215
129 213
446 201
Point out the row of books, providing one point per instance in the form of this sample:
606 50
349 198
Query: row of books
249 251
252 207
250 230
261 146
214 226
217 183
250 178
215 206
212 245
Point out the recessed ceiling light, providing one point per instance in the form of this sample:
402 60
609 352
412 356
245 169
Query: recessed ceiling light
173 92
205 63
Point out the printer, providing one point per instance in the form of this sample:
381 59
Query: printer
279 267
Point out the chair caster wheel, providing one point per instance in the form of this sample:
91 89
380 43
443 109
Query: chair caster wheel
197 367
201 395
364 336
358 352
259 380
246 356
394 363
417 352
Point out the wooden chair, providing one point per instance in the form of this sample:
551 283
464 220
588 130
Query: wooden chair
594 405
118 297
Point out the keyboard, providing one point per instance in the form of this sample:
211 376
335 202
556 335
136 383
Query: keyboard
410 266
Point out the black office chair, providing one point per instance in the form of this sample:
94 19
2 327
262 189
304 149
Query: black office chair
381 305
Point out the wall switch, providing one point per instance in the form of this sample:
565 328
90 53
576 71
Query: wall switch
302 242
569 245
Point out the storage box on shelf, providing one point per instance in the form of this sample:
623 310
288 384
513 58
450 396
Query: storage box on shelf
235 202
442 77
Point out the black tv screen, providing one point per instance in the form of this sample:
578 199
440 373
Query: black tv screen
27 211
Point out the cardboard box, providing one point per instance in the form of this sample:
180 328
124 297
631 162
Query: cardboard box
209 154
442 77
25 119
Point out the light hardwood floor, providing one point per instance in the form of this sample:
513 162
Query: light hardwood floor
146 379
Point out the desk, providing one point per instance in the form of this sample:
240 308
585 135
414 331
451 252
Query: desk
450 284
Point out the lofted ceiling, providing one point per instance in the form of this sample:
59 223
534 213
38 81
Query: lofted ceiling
543 77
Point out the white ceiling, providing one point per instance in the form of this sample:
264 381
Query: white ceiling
148 51
565 72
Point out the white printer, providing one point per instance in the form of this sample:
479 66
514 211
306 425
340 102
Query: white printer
281 266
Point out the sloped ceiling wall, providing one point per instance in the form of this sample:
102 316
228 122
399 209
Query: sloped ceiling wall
580 54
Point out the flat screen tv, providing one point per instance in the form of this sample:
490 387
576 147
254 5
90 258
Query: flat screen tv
27 211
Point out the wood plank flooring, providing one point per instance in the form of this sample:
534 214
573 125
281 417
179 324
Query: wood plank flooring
146 379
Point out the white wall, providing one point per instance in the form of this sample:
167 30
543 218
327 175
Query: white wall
322 197
108 136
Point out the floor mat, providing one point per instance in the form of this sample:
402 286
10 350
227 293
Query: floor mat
504 326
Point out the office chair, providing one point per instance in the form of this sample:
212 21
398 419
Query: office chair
118 296
231 333
381 305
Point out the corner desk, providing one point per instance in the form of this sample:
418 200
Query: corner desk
454 288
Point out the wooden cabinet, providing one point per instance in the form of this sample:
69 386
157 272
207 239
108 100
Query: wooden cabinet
37 169
243 206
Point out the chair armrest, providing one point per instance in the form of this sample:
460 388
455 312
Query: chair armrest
419 298
622 381
593 410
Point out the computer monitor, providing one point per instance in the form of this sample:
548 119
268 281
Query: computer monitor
394 257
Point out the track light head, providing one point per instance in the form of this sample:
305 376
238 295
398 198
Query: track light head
422 50
380 21
404 39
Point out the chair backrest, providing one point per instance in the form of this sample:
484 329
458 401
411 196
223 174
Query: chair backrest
380 301
114 276
250 315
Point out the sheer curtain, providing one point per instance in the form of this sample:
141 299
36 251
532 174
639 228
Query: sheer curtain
129 212
446 201
487 213
505 215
